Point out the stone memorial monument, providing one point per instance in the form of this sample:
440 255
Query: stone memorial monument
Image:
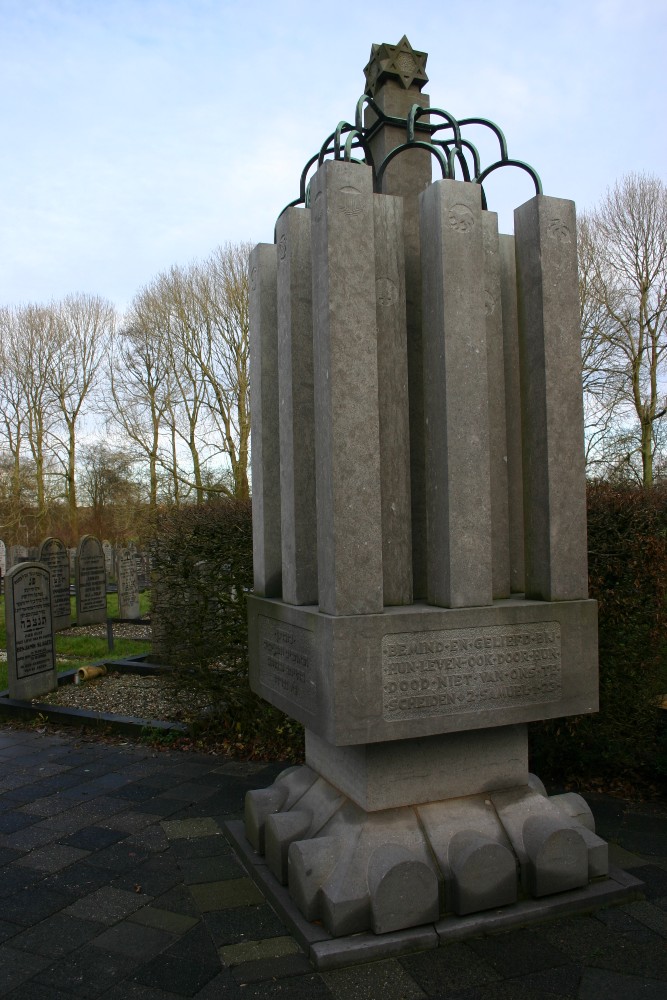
31 654
3 559
419 517
90 582
107 548
127 577
52 553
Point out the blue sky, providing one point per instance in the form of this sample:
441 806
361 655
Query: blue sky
137 134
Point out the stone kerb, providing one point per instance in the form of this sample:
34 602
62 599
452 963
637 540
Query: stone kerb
53 553
31 656
90 582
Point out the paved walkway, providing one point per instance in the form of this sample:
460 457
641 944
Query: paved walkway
117 882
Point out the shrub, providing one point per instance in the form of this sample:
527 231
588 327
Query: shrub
627 541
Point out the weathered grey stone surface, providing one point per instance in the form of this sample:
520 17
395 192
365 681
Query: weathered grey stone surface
90 582
349 538
3 559
394 410
107 548
553 430
297 416
458 488
265 451
500 537
417 671
512 412
408 772
127 578
31 655
54 555
406 177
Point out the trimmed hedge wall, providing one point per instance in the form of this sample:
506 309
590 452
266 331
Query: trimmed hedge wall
627 740
202 558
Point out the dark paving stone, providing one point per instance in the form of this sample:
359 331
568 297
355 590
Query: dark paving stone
243 923
93 838
17 877
523 950
17 966
561 982
7 855
120 857
9 930
87 972
153 877
202 847
214 869
589 941
654 878
623 923
138 991
644 835
132 939
36 991
49 805
599 984
138 792
57 935
271 968
223 987
184 968
160 807
29 906
457 965
77 880
107 905
12 821
177 900
85 814
189 791
29 837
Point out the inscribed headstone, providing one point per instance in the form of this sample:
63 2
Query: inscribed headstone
107 548
52 553
91 582
128 585
31 656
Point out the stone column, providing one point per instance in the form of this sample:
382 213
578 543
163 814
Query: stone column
458 496
512 412
394 415
553 425
347 436
297 430
265 451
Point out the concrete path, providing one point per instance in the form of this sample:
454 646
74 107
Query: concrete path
116 881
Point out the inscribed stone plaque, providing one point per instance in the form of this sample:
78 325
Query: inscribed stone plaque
91 582
128 584
107 548
52 553
286 661
31 658
471 669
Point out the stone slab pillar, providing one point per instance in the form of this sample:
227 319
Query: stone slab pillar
265 451
297 429
552 406
458 489
347 435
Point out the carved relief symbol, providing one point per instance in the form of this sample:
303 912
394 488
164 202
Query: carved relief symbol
253 278
489 302
557 230
351 201
282 247
386 292
461 218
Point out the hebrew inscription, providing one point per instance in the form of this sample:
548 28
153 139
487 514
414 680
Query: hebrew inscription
286 660
469 670
31 611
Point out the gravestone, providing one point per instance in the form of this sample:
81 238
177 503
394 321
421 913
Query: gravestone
3 559
128 584
72 563
90 582
16 554
31 655
107 548
416 658
52 553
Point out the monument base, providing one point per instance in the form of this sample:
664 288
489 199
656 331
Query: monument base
327 952
356 870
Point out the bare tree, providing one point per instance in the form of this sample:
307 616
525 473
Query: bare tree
623 284
81 328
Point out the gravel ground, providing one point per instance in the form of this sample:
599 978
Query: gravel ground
130 694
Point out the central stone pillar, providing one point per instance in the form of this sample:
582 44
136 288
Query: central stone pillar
420 481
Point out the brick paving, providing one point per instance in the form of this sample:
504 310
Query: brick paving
116 881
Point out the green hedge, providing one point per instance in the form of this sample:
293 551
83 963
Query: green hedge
626 741
202 570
